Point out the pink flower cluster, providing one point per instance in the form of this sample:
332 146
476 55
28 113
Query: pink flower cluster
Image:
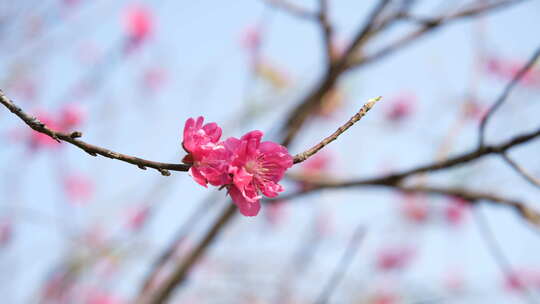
247 167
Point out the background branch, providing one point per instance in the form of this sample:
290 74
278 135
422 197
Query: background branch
504 95
71 138
521 171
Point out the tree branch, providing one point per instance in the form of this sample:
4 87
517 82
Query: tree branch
343 264
430 25
292 9
298 158
71 138
496 251
305 108
521 171
327 31
504 95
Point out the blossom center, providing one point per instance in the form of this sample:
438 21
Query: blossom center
252 166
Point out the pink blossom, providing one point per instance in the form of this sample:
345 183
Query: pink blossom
507 69
315 167
139 24
6 232
401 106
474 110
384 297
207 156
39 140
102 297
318 163
276 212
454 281
325 223
415 208
71 115
79 188
394 258
455 211
251 38
154 78
257 167
515 281
521 278
138 217
247 167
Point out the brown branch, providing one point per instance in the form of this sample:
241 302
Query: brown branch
71 138
300 157
305 108
181 234
327 31
394 178
504 95
532 216
292 9
521 171
429 26
293 124
529 214
179 275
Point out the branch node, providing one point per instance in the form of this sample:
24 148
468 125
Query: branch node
75 134
164 172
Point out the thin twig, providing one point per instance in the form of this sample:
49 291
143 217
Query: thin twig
521 171
343 264
298 158
430 25
162 293
181 234
305 108
531 215
327 31
71 138
497 253
504 95
292 9
394 178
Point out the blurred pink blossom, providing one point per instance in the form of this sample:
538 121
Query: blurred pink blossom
103 297
384 297
251 38
401 107
394 258
138 216
276 212
519 279
455 211
154 78
6 232
139 24
474 110
40 140
325 223
79 188
415 208
71 116
507 69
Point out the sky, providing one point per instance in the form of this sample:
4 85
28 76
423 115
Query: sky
198 47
